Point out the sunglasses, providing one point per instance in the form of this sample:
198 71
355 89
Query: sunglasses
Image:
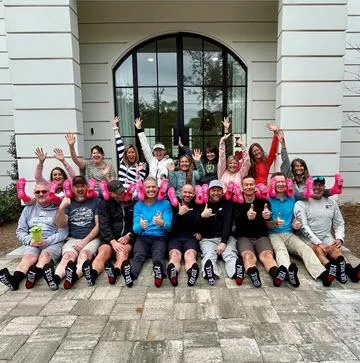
318 178
41 191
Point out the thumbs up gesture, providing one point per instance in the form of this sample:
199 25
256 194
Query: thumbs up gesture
296 224
251 214
143 223
183 209
279 221
207 212
266 212
158 220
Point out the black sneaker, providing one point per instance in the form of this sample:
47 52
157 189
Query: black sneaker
88 272
49 276
341 275
254 275
193 274
158 274
7 279
292 275
239 272
126 272
172 274
209 272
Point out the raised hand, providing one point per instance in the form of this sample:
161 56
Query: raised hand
138 123
158 220
70 138
279 221
272 127
266 212
207 212
115 121
58 153
143 223
226 124
106 170
280 135
197 154
41 155
251 214
140 167
180 142
183 209
224 138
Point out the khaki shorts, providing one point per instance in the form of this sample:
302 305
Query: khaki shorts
256 245
92 246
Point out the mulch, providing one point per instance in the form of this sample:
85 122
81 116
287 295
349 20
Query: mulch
351 213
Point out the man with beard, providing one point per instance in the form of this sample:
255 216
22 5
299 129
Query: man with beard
81 215
184 238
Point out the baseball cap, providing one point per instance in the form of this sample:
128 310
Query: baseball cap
116 186
319 179
216 183
159 146
79 179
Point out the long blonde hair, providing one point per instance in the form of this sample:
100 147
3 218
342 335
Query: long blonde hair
126 160
189 173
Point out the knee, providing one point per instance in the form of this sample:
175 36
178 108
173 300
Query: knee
29 259
68 256
44 256
190 254
84 255
266 255
248 255
175 255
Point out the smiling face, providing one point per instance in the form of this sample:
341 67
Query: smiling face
80 191
298 168
57 176
131 155
159 154
256 152
216 194
232 165
96 156
184 163
187 193
319 190
210 155
151 188
41 192
248 186
280 184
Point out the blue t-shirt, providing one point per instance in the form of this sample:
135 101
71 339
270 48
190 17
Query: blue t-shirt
82 217
286 209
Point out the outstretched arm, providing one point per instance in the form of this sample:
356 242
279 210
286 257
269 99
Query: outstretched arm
143 140
41 155
222 156
59 155
285 166
70 138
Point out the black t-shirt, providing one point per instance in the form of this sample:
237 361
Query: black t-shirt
246 228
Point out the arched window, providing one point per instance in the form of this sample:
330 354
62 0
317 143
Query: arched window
181 85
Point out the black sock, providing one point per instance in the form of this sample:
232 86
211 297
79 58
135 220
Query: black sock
57 279
239 271
331 268
158 273
292 275
209 272
341 270
324 277
48 273
278 274
18 277
193 274
352 272
126 272
254 275
172 274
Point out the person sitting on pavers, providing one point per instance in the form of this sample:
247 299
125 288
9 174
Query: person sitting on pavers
215 227
323 229
81 215
41 237
152 222
252 235
184 236
116 235
284 241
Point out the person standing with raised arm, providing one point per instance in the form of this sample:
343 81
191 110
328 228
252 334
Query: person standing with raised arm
156 158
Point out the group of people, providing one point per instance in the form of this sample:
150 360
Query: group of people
216 206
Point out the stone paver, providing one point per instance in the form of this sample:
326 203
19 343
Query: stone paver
225 323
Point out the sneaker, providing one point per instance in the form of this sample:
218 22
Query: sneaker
209 272
292 275
280 276
239 272
126 272
49 276
172 274
254 275
88 273
109 270
31 278
341 275
70 275
158 274
193 274
7 279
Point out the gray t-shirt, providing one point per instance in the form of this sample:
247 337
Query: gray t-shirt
82 217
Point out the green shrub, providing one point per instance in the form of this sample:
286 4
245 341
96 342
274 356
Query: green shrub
10 206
